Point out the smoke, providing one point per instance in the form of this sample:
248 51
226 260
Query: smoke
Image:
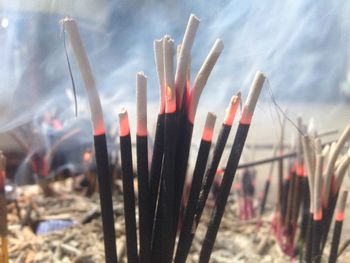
301 45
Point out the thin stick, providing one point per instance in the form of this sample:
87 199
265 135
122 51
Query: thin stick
309 166
145 215
231 168
99 140
267 185
317 222
158 147
163 245
186 120
128 186
4 256
198 173
183 249
339 219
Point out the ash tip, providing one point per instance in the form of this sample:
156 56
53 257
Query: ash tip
194 18
168 38
141 75
218 45
123 111
66 19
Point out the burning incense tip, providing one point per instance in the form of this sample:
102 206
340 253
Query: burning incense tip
232 109
318 187
252 99
341 206
209 127
141 104
124 128
168 56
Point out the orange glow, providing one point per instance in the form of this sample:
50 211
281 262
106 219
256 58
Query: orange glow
318 215
246 116
207 134
300 170
124 128
87 156
340 216
100 130
231 111
162 101
170 105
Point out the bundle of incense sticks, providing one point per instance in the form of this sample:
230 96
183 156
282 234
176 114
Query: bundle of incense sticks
309 194
4 257
160 188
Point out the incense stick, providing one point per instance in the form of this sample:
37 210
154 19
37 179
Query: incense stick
4 256
145 215
339 219
317 220
162 249
158 147
99 140
128 186
231 167
183 249
267 186
198 173
186 120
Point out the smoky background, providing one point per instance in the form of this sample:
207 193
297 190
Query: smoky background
302 46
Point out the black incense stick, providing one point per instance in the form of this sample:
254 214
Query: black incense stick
198 173
267 185
162 243
99 141
338 227
187 120
158 147
128 187
183 249
145 215
231 167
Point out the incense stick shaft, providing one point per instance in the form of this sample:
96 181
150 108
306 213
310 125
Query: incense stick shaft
129 198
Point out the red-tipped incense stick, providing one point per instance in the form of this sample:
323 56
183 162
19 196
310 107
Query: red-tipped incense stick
339 219
231 167
158 147
309 160
128 187
318 216
198 173
162 248
145 215
99 140
187 120
184 247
